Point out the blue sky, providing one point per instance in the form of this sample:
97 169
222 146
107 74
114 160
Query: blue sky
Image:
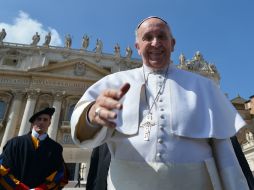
222 30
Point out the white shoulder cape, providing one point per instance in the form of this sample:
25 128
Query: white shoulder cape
199 108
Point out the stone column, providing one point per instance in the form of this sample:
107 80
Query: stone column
12 118
28 112
52 130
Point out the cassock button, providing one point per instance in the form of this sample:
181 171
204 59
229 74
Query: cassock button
160 140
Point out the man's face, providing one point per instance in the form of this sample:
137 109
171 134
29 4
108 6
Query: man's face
154 43
41 123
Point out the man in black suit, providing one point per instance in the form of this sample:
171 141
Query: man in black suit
98 171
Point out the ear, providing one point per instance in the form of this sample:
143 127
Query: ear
173 42
137 47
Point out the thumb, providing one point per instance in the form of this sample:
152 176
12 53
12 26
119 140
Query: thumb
123 90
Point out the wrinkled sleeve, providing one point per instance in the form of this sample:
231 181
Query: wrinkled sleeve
57 180
7 179
228 166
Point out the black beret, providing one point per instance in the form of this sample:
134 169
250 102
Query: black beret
48 111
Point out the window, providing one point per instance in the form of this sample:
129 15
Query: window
70 110
12 58
5 99
67 139
107 68
2 109
51 62
10 62
43 106
44 100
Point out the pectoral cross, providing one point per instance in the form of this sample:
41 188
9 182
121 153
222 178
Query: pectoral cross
147 123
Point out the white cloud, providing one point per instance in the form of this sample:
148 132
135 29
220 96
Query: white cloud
23 29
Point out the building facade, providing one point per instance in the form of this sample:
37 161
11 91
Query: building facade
33 77
245 136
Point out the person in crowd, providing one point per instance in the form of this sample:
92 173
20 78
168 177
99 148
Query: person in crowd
162 124
243 162
98 170
34 160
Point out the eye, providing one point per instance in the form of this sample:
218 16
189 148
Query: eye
147 37
162 37
45 119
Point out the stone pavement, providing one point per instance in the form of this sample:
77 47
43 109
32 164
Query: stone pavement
71 186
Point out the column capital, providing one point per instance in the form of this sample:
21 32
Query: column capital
58 96
32 93
18 94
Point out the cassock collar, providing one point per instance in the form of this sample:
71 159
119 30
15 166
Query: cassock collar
149 70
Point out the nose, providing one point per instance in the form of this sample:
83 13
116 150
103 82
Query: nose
155 42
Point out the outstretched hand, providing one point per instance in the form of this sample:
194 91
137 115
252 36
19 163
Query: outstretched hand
102 111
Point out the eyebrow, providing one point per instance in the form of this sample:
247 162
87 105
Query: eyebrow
149 18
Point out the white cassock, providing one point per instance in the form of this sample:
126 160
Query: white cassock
188 144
